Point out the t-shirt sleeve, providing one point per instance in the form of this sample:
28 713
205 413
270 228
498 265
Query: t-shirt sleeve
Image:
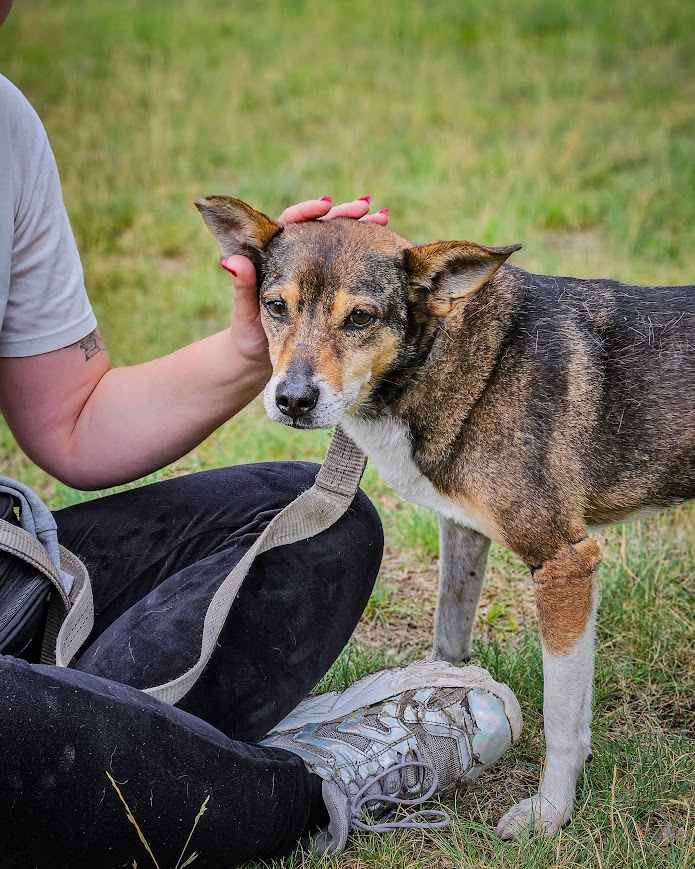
47 307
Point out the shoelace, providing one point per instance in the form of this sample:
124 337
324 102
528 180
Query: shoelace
426 819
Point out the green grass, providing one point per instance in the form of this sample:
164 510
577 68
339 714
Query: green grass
568 126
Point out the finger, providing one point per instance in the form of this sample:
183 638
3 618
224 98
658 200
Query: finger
380 217
242 270
355 209
245 296
311 209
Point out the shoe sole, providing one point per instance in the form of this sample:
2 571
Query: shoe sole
380 686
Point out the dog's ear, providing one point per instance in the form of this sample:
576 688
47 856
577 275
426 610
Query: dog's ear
451 270
238 228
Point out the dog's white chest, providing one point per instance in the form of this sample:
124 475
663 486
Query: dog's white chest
388 445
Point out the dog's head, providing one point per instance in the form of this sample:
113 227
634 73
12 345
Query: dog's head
342 303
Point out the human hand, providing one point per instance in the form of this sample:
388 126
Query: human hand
247 331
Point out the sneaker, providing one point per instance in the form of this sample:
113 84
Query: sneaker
395 739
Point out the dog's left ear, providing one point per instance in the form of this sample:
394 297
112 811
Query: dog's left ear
238 228
451 270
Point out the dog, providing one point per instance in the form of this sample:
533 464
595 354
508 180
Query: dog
521 408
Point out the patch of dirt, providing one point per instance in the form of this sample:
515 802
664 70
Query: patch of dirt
402 621
497 790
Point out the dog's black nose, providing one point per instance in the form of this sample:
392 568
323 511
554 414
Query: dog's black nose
296 397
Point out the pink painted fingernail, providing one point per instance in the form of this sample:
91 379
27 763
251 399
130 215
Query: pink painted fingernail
227 267
326 199
366 199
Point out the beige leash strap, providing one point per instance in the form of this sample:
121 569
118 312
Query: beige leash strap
308 515
70 617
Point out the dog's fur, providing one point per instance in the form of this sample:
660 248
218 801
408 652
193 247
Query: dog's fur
528 408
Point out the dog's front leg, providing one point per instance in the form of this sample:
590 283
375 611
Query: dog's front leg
566 599
462 560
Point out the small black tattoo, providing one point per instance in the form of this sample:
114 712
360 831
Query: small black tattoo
91 345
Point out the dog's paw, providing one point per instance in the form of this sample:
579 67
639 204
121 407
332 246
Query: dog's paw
537 813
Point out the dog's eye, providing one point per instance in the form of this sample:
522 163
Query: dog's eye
360 318
277 307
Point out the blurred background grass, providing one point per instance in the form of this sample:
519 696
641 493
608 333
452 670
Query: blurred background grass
567 126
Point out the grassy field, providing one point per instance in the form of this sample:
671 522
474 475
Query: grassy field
569 127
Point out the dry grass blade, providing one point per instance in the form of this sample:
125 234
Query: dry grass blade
194 855
132 820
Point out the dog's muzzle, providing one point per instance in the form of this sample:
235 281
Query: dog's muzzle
302 399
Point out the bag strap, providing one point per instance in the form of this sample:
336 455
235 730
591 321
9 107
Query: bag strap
65 633
70 616
312 512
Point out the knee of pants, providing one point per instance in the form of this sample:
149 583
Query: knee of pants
331 574
349 552
264 488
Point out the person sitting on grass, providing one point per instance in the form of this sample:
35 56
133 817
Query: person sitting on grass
77 741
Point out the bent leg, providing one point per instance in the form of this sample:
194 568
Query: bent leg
63 731
295 612
567 601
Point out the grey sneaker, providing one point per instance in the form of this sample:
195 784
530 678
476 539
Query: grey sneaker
396 738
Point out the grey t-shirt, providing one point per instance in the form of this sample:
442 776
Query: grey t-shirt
43 301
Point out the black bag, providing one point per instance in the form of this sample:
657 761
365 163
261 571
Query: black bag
24 595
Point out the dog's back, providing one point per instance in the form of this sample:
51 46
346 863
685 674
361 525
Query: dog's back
612 385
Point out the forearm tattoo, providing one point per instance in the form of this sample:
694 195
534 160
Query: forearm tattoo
91 345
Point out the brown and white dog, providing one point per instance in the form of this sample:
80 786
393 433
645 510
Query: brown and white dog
526 408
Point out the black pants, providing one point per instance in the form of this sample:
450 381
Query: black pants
156 555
